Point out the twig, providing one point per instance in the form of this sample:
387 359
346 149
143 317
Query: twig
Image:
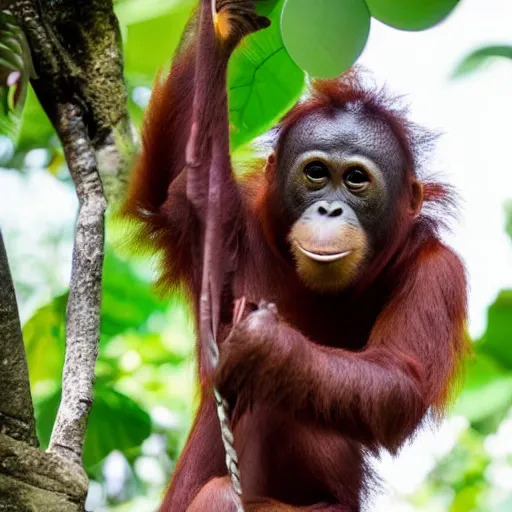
83 312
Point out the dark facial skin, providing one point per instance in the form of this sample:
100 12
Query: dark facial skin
340 175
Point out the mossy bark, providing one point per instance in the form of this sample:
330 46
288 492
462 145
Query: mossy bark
78 77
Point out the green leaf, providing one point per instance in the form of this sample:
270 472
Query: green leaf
36 130
46 411
116 422
15 70
44 335
411 14
150 43
487 390
149 348
466 499
508 213
128 299
263 82
9 124
267 7
481 57
497 340
325 37
465 465
130 12
128 302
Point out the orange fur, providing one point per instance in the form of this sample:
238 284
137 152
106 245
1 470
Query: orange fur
332 373
223 25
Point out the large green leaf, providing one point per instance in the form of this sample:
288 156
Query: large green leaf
44 335
116 422
150 348
152 35
411 14
497 340
263 82
128 302
130 12
325 37
15 69
479 58
128 299
36 131
487 390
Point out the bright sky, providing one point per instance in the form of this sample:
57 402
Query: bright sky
474 114
474 155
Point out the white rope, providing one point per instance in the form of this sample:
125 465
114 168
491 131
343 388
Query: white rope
214 9
228 439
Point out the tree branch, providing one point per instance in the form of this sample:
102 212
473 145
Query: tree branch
84 303
76 47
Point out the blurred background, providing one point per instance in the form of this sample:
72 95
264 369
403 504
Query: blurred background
145 394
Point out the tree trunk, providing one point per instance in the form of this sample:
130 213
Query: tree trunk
78 78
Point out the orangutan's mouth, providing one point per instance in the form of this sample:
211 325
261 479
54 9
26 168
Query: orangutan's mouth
324 257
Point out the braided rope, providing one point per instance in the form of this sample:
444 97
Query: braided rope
228 439
228 442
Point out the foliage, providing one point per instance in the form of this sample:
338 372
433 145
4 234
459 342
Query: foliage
486 401
508 209
463 471
263 81
128 305
482 57
487 394
116 422
337 34
411 14
15 68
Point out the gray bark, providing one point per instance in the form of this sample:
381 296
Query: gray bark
16 410
84 303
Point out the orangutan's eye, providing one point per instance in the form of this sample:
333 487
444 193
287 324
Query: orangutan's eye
356 179
317 173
